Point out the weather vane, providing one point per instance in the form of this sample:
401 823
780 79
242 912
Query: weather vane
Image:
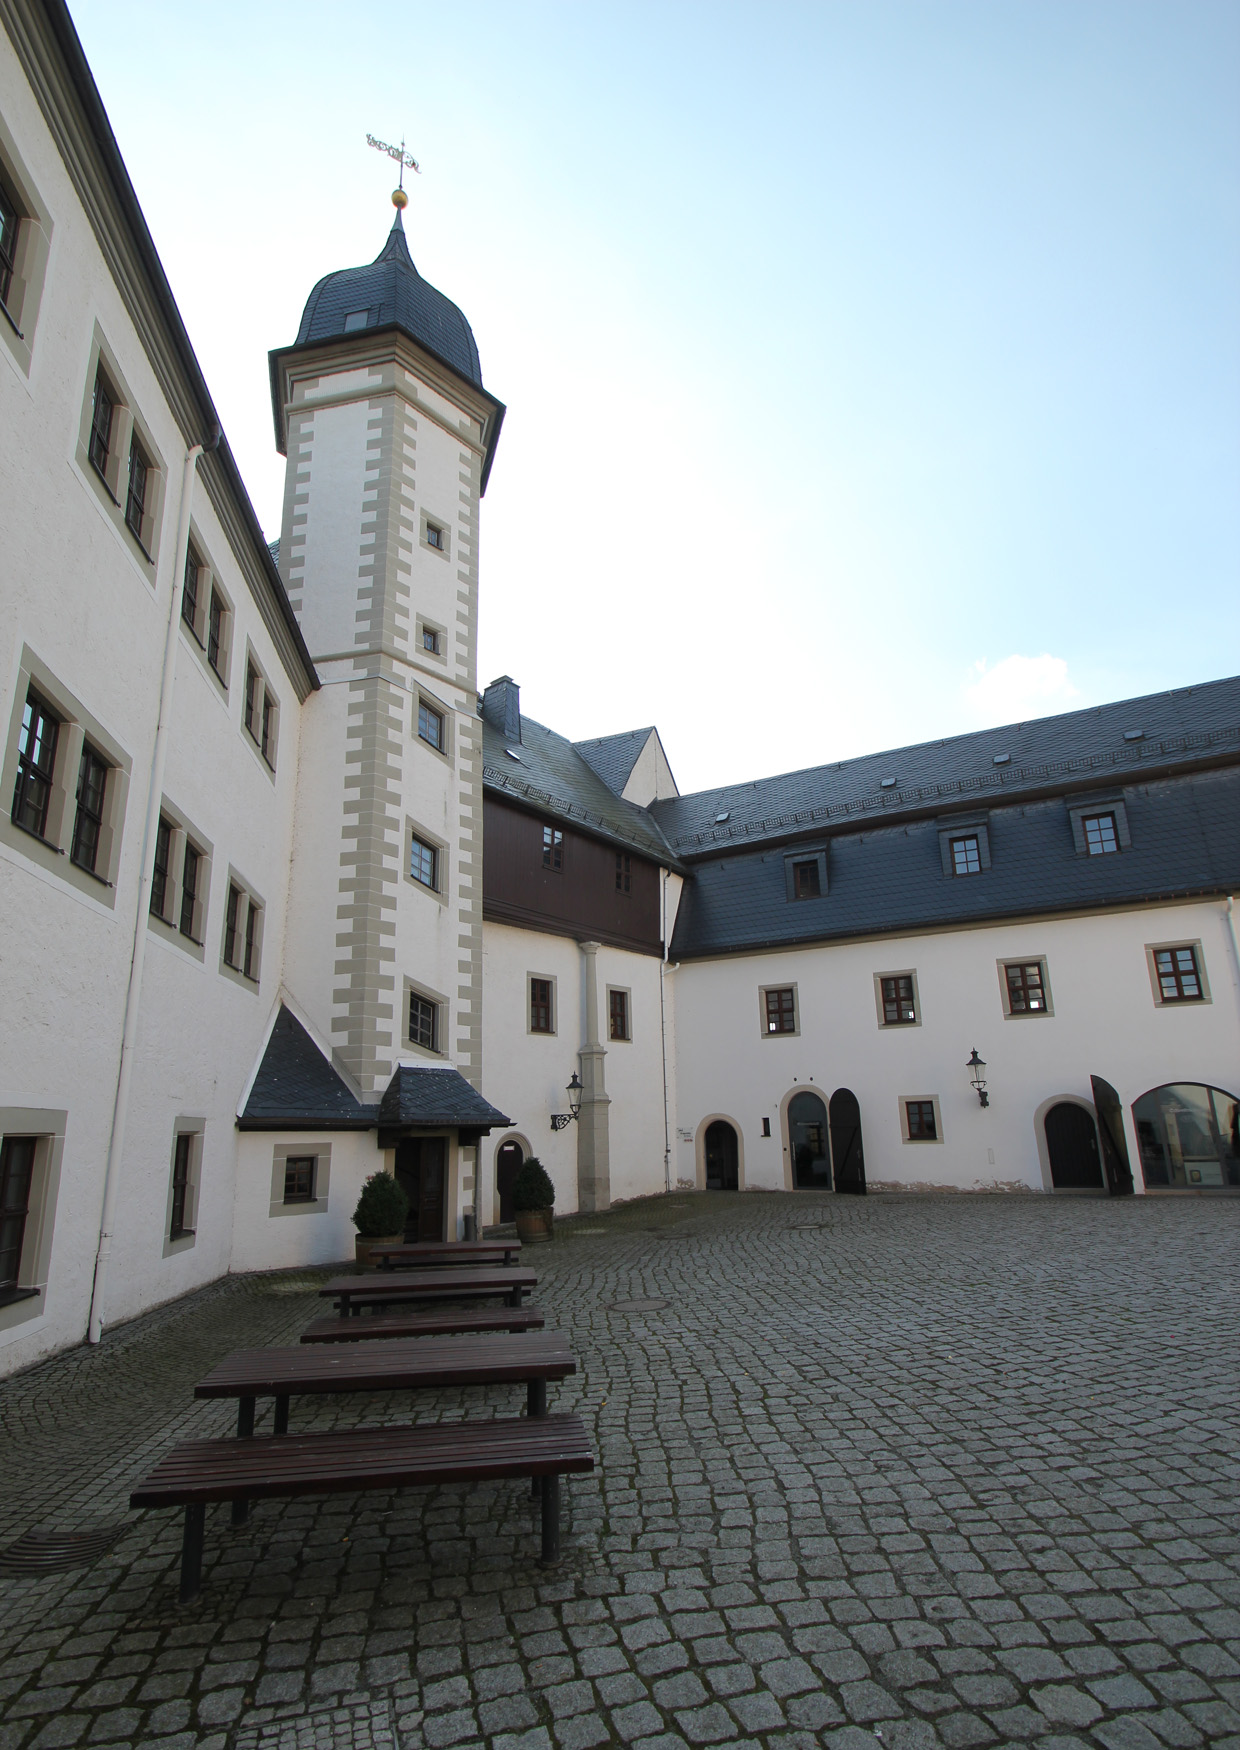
406 160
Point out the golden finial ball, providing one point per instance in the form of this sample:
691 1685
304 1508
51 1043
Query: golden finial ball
400 200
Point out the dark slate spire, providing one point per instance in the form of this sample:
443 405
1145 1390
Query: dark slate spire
391 290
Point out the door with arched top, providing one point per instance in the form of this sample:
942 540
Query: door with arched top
1072 1145
807 1143
847 1158
509 1159
722 1156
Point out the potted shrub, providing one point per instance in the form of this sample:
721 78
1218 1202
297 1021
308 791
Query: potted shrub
533 1202
380 1215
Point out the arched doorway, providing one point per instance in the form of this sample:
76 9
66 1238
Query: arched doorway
721 1156
807 1143
1188 1136
1072 1145
509 1158
846 1153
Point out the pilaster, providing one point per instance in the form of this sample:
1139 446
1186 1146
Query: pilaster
593 1125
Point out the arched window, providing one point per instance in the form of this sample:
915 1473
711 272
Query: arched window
1188 1135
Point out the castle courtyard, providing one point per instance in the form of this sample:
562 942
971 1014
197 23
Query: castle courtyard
896 1470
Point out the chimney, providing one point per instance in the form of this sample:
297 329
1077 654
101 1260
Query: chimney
501 707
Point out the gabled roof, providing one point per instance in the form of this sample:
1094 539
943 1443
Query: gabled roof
550 776
391 290
297 1088
614 756
1119 743
430 1094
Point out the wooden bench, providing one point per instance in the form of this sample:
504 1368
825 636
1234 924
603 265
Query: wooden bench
382 1287
201 1471
334 1329
431 1253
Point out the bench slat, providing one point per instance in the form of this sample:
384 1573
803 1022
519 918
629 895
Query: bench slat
393 1284
400 1364
421 1323
379 1458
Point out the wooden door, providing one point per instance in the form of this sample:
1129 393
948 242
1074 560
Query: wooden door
507 1165
807 1137
1072 1144
722 1157
1111 1134
847 1159
421 1168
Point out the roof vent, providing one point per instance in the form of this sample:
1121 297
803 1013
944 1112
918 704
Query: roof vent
887 783
1134 734
721 817
514 755
1001 759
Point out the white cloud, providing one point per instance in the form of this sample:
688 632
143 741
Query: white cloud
1018 687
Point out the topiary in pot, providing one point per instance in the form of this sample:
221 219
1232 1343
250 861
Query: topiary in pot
533 1201
380 1214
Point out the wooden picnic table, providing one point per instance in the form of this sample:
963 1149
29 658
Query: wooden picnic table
382 1287
428 1253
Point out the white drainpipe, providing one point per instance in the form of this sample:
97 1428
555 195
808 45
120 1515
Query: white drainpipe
667 1134
133 994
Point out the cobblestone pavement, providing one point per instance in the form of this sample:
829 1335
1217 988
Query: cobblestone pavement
900 1471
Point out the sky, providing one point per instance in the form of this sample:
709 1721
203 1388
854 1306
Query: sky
872 366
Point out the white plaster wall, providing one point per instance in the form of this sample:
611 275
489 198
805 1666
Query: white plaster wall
1104 1022
263 1241
634 1074
324 512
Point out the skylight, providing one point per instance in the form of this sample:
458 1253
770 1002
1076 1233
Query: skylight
721 817
514 755
1134 734
1001 759
887 783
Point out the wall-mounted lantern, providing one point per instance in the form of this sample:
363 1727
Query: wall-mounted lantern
561 1120
976 1067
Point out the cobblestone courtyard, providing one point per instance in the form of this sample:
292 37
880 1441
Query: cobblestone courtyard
896 1471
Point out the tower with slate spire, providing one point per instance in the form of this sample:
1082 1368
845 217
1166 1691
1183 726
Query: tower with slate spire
389 435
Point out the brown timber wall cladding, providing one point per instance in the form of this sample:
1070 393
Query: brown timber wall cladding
581 899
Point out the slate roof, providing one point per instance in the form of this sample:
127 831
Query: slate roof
551 776
888 877
1080 748
434 1095
297 1088
614 756
393 291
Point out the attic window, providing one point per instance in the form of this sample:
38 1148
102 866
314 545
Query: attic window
356 319
1001 759
720 818
887 784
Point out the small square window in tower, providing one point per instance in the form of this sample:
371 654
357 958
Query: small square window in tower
423 1022
966 856
430 725
424 863
552 848
430 641
435 536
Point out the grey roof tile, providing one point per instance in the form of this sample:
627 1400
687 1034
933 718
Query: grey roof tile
614 756
432 1094
296 1087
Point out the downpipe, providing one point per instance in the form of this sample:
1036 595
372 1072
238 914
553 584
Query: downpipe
133 992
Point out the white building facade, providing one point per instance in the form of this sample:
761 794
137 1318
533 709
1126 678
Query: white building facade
287 899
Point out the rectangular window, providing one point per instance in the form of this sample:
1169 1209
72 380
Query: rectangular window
101 425
540 1005
267 744
920 1118
781 1016
423 1022
299 1179
249 964
806 883
966 856
189 592
624 872
1026 988
252 700
159 877
899 1004
430 641
553 848
424 863
16 1174
1100 834
9 222
88 821
189 890
36 764
181 1161
1179 976
618 1013
434 536
215 633
430 725
232 927
135 500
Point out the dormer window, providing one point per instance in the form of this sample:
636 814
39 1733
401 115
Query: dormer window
356 319
964 845
966 855
1100 835
805 873
805 881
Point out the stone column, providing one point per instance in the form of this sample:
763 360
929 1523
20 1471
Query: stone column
593 1144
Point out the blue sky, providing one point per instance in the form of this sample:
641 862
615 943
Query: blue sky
873 369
